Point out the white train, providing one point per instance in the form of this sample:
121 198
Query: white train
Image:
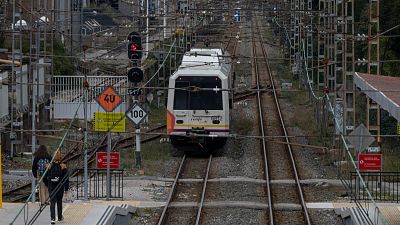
199 102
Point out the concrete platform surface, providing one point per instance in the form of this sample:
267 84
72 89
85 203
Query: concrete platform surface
84 213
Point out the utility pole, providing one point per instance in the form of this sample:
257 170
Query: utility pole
147 28
85 141
35 76
165 19
21 90
374 65
12 82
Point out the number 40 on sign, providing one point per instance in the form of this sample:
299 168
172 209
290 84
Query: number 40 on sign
136 114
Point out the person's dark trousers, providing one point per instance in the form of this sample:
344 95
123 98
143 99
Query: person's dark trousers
57 199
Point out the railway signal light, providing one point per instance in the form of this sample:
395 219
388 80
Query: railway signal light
135 75
134 46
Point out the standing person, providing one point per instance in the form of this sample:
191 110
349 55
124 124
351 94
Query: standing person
58 183
40 162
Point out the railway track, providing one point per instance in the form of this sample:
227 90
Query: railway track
187 194
279 162
232 43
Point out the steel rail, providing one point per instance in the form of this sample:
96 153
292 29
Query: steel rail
203 191
119 144
295 171
171 193
264 146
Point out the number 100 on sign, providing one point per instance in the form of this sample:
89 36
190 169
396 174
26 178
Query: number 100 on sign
136 114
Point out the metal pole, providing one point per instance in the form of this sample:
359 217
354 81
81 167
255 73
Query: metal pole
138 155
165 19
12 81
108 187
85 156
34 93
147 28
21 98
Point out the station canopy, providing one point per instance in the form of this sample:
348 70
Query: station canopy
384 90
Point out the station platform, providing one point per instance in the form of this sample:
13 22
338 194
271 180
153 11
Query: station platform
152 192
78 212
119 212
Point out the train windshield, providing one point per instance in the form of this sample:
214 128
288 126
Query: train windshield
190 93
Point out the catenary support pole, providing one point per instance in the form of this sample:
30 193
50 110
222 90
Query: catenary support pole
147 28
165 19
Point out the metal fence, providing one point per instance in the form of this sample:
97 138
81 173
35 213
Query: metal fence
383 186
97 184
69 94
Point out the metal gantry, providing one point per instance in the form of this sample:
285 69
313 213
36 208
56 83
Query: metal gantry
309 48
373 109
344 48
349 68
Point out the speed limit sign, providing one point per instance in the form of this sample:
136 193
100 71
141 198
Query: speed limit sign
136 114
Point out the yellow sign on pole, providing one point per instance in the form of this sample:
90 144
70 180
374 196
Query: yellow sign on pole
1 180
109 121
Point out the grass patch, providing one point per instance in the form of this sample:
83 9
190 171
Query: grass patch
154 151
284 71
268 36
148 210
243 126
158 115
297 97
127 159
391 161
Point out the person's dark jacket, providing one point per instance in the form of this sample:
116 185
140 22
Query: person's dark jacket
64 174
35 165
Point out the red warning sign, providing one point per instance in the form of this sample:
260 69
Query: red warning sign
370 162
101 160
109 99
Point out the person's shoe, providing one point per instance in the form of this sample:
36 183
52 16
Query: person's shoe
53 221
61 219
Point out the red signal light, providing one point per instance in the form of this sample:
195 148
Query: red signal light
134 47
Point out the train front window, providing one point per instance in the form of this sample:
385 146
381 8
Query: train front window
189 93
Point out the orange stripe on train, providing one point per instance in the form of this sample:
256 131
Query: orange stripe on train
170 122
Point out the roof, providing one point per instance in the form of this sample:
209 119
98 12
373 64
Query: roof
95 21
382 89
198 58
